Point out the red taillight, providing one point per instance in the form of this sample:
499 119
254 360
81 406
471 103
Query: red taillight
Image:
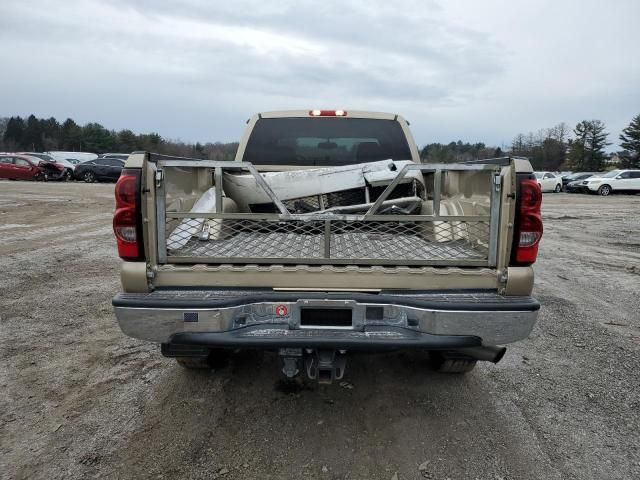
127 189
127 224
529 223
530 195
327 113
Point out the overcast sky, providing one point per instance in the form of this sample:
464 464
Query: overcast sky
196 70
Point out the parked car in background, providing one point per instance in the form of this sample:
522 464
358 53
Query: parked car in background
42 156
121 156
614 181
100 169
577 186
68 166
573 177
15 166
80 156
549 182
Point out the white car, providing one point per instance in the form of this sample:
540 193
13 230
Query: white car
82 156
549 182
614 181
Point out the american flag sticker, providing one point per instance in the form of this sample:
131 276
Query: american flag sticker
190 316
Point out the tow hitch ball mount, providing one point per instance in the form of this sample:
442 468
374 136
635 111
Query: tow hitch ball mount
321 365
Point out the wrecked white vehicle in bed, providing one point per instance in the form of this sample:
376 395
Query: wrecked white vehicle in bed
327 235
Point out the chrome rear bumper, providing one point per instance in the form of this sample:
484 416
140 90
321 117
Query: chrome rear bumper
276 316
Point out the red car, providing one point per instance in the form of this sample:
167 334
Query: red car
24 167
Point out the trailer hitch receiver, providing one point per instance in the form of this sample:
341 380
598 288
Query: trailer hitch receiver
325 366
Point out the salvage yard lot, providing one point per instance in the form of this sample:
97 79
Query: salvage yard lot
80 399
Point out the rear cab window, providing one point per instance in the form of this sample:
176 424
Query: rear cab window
327 141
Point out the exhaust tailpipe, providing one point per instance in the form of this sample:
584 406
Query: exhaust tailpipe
486 353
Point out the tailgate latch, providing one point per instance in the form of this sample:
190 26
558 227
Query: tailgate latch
159 176
497 182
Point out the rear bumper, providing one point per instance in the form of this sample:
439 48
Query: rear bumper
272 319
61 175
276 337
56 175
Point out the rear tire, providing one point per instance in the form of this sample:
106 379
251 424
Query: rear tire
443 363
68 175
218 358
558 188
194 363
604 190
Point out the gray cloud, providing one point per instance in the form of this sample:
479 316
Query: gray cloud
196 69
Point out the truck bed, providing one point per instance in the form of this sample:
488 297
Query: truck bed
447 215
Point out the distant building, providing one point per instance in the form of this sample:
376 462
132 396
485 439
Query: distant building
621 159
613 160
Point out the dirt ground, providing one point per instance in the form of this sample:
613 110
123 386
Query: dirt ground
78 399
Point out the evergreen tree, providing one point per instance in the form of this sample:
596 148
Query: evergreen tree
630 138
51 134
96 138
127 141
33 135
596 142
14 133
71 136
587 148
577 152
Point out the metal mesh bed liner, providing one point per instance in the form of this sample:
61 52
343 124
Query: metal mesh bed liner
347 242
440 224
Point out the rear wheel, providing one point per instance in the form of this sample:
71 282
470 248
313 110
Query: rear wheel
193 363
68 175
446 363
89 177
217 358
604 190
558 188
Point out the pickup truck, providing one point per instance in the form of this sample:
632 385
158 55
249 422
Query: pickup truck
327 235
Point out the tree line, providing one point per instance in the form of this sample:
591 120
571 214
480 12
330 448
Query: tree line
45 134
458 152
555 148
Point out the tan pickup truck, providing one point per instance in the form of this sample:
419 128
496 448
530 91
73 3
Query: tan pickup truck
327 235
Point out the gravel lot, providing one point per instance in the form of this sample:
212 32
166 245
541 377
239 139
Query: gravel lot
78 399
